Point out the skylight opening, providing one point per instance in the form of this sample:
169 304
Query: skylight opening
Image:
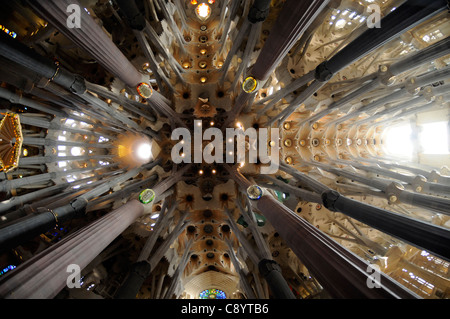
398 141
433 138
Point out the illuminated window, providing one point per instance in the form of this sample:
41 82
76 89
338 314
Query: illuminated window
62 164
6 269
7 31
144 151
398 141
212 294
203 11
103 139
341 23
77 151
433 138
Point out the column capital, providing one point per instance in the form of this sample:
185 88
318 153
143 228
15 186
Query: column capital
266 266
141 268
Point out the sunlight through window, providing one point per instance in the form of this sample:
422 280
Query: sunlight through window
398 141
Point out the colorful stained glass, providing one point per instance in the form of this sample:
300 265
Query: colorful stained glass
11 139
7 31
6 269
213 294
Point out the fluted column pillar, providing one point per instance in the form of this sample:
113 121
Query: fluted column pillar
295 17
43 276
17 233
343 274
46 274
135 279
179 271
410 14
268 268
90 37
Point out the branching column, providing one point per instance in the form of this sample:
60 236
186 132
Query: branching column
46 274
90 37
294 19
408 15
343 274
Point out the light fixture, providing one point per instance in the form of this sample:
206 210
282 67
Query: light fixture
433 138
341 23
76 151
249 85
254 192
203 11
147 196
144 90
397 141
203 79
144 151
211 1
194 2
288 142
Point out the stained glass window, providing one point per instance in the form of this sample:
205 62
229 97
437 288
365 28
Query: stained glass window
213 294
6 269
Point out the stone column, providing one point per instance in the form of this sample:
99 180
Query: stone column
46 274
342 273
17 233
135 279
295 17
408 15
268 268
179 271
243 280
90 37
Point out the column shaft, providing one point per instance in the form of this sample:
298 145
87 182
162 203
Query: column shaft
90 37
343 274
293 20
43 276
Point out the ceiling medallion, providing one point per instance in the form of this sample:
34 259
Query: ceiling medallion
144 90
254 192
147 196
250 84
204 110
10 142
